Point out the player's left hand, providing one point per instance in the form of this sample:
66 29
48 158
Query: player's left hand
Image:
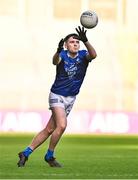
82 34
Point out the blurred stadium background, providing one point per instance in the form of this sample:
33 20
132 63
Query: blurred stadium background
29 33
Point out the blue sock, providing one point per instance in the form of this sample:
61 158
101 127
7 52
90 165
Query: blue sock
49 154
27 151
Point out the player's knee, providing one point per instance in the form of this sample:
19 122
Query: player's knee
50 130
62 128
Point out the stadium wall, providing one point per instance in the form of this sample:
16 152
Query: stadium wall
80 122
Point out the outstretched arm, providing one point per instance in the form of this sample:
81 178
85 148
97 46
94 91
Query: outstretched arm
82 36
56 57
91 51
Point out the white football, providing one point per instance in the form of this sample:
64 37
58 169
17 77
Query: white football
89 19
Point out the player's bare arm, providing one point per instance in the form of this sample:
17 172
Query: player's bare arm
91 51
56 57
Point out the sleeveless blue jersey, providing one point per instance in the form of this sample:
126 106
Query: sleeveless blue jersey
70 73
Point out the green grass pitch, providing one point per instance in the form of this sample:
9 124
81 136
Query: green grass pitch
82 156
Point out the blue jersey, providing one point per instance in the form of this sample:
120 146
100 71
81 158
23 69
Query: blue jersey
70 73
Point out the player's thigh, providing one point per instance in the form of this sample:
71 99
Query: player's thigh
59 115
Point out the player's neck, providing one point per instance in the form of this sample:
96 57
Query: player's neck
72 55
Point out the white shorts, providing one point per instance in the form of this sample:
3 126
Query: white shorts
56 100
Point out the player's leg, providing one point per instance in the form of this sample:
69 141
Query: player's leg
43 135
59 116
61 107
37 141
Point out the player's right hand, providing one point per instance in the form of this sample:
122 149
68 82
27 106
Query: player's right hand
60 46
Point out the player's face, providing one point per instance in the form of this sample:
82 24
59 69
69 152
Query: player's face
72 45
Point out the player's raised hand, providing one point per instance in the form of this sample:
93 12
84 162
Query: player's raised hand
60 46
82 34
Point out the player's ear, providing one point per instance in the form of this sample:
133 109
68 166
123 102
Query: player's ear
65 45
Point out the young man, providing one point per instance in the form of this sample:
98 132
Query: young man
71 65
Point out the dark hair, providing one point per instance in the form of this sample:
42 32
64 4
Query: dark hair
70 35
